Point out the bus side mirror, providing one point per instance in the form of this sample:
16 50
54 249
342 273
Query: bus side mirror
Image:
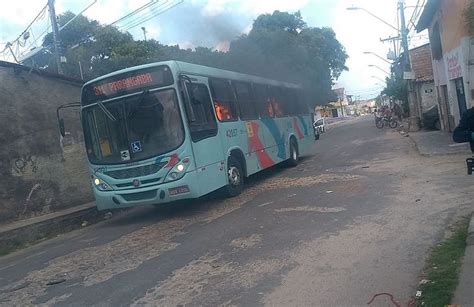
62 130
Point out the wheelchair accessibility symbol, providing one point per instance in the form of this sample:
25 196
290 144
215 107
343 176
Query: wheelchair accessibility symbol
136 146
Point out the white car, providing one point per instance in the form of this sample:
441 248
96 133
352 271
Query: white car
319 127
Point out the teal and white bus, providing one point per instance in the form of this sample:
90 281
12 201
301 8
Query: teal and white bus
171 130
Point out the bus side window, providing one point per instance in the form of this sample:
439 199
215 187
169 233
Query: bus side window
261 103
303 107
285 99
292 101
245 99
224 100
204 124
274 101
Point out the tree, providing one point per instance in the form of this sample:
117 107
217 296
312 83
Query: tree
397 89
280 46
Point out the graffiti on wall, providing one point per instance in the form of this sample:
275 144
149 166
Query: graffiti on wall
454 65
25 164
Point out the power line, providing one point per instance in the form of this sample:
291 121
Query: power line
99 28
41 36
156 14
142 16
410 21
414 18
151 3
31 23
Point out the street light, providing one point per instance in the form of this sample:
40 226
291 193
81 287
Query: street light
378 78
369 52
381 69
355 8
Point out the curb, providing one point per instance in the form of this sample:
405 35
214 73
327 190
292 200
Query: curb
463 295
22 233
431 154
470 233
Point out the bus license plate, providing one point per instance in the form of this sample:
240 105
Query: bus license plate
178 190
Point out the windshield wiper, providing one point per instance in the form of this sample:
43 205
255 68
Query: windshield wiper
106 111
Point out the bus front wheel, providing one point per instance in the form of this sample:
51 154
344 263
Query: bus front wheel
294 154
235 177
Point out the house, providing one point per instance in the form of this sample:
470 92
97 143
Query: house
338 108
335 108
424 86
451 52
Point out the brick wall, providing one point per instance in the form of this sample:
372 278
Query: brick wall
38 175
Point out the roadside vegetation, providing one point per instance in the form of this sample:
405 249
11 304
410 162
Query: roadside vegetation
443 267
279 45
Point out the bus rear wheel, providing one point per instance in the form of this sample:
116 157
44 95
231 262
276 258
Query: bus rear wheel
235 178
294 154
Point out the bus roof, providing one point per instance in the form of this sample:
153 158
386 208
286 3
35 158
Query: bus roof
201 70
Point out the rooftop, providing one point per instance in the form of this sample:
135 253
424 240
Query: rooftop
428 12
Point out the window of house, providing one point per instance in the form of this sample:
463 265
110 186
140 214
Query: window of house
224 100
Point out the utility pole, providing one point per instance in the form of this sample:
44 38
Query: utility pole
54 27
393 39
144 32
413 122
9 46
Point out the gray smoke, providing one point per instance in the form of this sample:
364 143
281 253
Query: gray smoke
186 23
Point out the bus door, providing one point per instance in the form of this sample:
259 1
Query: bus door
203 129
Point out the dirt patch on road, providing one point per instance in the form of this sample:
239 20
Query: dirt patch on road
204 281
97 264
247 242
382 252
312 209
233 204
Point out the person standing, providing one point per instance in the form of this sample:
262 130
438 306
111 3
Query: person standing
464 132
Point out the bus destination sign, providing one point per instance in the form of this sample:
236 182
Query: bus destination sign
123 84
128 82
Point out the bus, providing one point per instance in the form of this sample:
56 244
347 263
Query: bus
172 130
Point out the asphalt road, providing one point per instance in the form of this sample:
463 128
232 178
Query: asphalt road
355 218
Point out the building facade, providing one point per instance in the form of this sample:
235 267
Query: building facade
452 55
424 86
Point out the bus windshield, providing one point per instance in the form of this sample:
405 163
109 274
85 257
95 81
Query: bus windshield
137 128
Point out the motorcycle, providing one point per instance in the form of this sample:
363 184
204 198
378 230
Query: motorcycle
381 122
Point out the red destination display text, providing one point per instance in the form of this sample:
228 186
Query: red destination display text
123 84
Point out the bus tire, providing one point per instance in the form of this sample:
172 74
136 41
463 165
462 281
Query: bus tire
235 177
294 154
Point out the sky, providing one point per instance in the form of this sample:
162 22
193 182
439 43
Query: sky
213 23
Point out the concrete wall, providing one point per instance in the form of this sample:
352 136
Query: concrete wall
37 174
457 52
427 95
453 27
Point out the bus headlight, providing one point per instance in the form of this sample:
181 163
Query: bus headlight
178 171
100 184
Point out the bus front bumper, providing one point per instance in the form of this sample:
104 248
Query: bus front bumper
183 188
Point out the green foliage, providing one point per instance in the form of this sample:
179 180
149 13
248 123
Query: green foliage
443 268
280 46
397 89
